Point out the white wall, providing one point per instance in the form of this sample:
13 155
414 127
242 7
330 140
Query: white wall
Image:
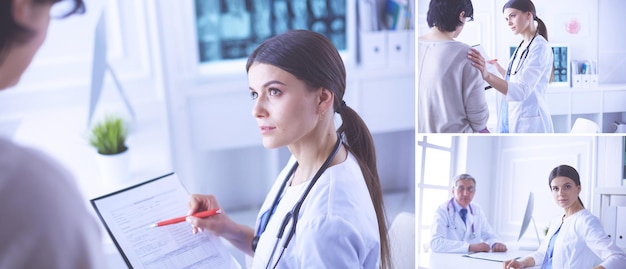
477 160
60 73
611 42
510 167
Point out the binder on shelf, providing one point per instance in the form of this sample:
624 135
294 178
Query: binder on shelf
373 48
577 79
398 48
398 14
584 74
368 16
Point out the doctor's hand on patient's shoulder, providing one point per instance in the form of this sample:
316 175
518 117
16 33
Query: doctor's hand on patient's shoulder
217 224
480 247
478 61
498 247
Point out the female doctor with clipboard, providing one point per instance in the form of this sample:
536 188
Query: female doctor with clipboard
325 209
523 108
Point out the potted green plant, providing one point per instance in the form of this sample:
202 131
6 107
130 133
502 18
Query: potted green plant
108 137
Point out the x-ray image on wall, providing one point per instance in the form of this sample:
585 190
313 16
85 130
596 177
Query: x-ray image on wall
560 64
233 29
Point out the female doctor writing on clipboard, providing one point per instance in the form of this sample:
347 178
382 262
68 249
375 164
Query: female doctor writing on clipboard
325 209
523 108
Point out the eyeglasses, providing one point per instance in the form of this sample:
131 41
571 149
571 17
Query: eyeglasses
65 8
462 189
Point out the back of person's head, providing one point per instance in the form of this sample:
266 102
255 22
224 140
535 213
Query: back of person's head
12 32
528 6
444 14
567 171
312 58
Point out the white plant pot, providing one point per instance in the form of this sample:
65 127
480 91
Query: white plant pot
114 169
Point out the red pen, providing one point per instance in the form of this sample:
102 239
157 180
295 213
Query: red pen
202 214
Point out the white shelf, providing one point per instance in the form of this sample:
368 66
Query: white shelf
604 104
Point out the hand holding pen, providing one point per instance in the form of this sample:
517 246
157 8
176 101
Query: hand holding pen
201 214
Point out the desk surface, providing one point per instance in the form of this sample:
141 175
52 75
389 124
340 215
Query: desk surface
456 260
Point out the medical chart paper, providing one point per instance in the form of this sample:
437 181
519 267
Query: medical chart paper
496 256
490 67
127 214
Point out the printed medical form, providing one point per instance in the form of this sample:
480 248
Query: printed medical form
128 213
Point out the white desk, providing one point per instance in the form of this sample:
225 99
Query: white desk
456 260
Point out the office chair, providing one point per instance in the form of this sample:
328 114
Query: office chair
582 125
402 241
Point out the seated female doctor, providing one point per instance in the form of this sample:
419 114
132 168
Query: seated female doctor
576 239
460 225
325 209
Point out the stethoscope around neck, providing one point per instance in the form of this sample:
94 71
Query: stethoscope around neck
295 211
452 218
523 57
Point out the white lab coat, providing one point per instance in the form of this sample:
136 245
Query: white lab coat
581 243
337 225
44 219
450 234
526 94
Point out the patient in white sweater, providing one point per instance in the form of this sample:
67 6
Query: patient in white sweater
451 96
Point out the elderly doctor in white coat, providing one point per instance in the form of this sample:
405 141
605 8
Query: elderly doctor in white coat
576 239
523 108
450 233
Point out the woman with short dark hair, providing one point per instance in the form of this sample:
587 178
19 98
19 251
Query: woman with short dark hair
451 96
44 222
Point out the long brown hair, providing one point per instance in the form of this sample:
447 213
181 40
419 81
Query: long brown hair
567 171
312 58
528 6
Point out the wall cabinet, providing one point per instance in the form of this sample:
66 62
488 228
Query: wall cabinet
610 206
604 105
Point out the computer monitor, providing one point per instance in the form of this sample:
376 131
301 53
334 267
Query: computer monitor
528 217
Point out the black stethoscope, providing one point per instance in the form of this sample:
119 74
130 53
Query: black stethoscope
293 214
523 57
453 217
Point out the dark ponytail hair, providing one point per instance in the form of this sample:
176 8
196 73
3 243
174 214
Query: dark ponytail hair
312 58
528 6
568 172
11 31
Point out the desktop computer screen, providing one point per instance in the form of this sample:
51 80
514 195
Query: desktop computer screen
528 217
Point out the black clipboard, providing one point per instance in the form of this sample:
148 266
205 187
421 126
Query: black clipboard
127 214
